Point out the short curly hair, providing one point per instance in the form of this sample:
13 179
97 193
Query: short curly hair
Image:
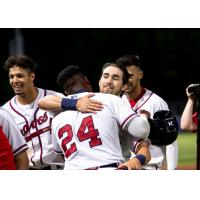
67 73
20 60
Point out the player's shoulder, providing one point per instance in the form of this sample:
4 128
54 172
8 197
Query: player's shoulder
4 113
154 95
7 104
45 92
65 113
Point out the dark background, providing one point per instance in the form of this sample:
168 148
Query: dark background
170 57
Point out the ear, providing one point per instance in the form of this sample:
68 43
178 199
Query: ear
65 92
141 74
32 76
86 80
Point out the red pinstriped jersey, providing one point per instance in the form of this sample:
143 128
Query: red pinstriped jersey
194 118
35 126
91 140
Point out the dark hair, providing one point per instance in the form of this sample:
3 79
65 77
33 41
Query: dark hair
20 60
66 73
129 60
125 76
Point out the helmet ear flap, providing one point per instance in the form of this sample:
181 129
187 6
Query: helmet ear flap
164 128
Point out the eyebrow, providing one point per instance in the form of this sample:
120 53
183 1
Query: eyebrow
106 73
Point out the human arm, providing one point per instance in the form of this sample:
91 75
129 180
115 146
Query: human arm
21 161
83 104
142 157
186 122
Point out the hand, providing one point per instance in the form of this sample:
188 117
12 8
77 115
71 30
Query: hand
85 104
191 94
144 112
133 163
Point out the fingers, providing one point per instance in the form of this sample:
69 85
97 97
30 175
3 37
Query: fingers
190 90
124 166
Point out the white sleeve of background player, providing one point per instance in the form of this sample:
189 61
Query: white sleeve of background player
55 142
160 104
13 133
136 125
172 155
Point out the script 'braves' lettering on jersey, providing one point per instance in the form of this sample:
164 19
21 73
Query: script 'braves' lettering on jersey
90 140
35 126
10 129
150 102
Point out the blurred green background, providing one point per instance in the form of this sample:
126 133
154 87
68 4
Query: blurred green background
187 150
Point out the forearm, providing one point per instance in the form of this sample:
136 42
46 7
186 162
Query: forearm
144 150
56 103
50 103
21 161
186 122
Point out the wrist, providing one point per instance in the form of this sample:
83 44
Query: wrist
141 158
69 104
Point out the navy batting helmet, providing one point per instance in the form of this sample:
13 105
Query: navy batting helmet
164 128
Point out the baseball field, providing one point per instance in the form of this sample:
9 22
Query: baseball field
187 150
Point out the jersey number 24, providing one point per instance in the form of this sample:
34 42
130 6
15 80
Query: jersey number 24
91 135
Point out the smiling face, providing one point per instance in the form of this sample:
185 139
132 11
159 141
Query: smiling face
111 81
21 80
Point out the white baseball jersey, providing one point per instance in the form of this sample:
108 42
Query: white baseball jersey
151 102
35 126
12 132
91 140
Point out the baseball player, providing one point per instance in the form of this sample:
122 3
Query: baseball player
91 141
33 122
188 119
16 140
139 98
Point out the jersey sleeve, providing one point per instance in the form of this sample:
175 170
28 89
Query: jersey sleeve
160 104
122 112
55 142
13 133
194 118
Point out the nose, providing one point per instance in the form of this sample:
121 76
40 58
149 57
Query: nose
109 79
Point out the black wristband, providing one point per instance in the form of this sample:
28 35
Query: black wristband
141 158
69 104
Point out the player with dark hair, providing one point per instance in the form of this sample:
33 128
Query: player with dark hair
91 141
140 98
